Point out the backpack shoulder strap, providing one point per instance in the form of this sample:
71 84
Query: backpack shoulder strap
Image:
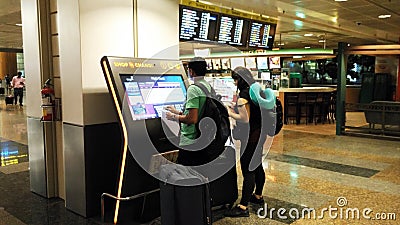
205 90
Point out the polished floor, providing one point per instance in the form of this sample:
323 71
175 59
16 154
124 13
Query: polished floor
313 177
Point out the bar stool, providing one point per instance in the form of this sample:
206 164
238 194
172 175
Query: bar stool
291 108
317 114
325 107
307 107
332 106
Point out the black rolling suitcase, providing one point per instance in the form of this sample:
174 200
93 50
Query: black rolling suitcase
9 100
223 189
184 196
2 91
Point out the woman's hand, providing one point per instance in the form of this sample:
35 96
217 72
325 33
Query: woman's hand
243 108
230 110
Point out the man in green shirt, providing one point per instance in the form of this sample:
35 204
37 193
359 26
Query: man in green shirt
191 153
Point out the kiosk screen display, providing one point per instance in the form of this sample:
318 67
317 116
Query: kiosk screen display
147 95
197 25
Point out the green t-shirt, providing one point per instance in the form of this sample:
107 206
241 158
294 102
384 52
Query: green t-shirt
195 100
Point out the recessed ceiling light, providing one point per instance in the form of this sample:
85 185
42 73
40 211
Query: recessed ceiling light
321 41
297 56
301 15
340 0
384 16
307 47
298 23
281 44
308 35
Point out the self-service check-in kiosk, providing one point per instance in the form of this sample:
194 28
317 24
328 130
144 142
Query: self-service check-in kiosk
140 89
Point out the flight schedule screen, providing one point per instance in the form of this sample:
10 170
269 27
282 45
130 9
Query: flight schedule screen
232 30
261 35
197 25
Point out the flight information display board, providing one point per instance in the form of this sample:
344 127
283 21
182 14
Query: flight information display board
261 35
197 25
210 23
233 30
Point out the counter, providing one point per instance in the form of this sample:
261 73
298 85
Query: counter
352 91
307 89
315 104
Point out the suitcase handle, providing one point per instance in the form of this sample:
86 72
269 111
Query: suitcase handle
143 194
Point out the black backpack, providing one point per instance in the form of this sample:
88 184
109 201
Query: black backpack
273 119
214 109
279 116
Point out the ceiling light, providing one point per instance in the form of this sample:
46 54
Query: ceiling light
307 47
340 0
308 35
298 23
297 56
18 24
301 15
321 41
281 44
384 16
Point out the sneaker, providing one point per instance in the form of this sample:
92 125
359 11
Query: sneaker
257 201
237 212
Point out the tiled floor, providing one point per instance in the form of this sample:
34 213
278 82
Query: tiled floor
308 167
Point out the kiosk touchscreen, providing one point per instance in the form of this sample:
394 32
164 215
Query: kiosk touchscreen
147 94
141 89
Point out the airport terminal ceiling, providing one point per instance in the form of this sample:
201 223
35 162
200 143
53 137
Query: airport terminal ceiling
353 21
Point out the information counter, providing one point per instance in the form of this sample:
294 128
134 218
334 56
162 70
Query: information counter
314 104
